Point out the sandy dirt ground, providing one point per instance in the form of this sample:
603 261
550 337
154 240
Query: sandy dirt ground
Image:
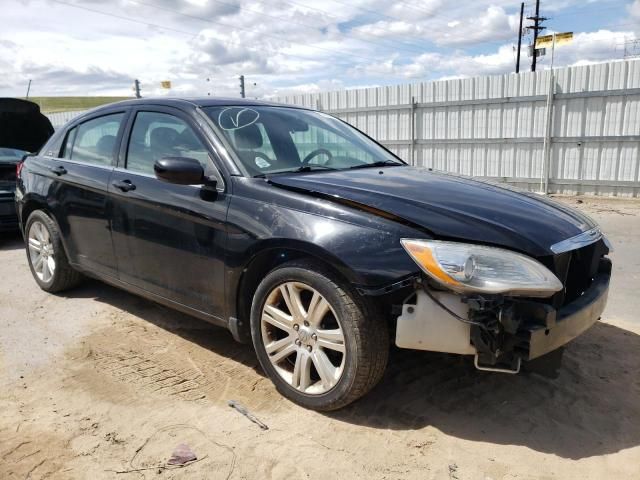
98 383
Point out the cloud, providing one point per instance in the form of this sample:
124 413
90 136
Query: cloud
492 24
589 47
634 9
281 46
68 80
437 65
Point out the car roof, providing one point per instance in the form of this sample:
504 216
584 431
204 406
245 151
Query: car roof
180 102
193 101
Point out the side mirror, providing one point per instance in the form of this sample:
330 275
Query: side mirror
180 170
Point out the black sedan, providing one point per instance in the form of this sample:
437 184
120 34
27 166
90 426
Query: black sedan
301 234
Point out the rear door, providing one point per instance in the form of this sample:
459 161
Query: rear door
78 194
169 239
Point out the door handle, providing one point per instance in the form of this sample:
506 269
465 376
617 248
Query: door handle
59 170
124 185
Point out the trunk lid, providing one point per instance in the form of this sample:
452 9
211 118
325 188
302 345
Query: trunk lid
22 126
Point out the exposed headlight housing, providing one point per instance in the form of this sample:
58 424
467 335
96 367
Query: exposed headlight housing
466 268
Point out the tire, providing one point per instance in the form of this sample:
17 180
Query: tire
52 271
348 333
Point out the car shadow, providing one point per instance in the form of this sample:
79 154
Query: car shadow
11 241
592 408
200 332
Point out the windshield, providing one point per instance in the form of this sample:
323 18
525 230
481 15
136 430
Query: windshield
269 140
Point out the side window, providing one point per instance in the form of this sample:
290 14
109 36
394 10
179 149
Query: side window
94 141
53 146
68 144
156 135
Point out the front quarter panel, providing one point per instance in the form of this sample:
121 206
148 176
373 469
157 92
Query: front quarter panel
365 248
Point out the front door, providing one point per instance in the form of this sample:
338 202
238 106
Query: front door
169 239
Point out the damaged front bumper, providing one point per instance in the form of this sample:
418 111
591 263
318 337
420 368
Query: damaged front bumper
563 325
500 331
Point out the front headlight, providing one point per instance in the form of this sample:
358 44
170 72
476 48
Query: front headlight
467 268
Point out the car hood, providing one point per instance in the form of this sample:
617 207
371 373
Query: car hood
448 206
22 126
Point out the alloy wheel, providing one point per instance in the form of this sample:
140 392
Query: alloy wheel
303 338
41 251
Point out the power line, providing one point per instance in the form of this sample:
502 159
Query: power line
194 17
121 17
581 11
228 25
279 18
170 29
314 27
420 48
194 34
411 34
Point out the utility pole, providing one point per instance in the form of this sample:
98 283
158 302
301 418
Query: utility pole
519 38
136 87
242 86
28 89
537 28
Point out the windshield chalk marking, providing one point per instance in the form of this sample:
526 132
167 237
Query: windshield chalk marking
229 117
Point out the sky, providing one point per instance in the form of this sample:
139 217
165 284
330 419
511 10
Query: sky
98 47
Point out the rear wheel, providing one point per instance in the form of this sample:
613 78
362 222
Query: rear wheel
316 339
46 256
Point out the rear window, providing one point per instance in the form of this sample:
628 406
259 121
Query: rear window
94 141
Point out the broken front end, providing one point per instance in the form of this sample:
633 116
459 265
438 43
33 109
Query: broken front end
503 307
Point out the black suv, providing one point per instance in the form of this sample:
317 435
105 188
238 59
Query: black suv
301 234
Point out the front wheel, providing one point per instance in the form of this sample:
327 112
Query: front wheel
320 344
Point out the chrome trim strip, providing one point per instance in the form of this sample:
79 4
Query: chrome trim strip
76 162
581 240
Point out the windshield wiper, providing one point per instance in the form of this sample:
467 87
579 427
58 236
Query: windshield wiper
304 168
308 168
380 163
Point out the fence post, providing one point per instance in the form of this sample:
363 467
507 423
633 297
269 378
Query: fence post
546 146
413 131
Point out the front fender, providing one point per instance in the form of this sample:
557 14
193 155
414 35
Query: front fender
362 246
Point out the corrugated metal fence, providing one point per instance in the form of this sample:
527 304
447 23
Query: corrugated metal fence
583 128
58 119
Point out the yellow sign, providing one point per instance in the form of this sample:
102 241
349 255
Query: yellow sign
165 84
546 41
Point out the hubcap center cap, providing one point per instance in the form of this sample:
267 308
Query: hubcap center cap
304 335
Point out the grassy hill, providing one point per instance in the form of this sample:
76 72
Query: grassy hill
65 104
